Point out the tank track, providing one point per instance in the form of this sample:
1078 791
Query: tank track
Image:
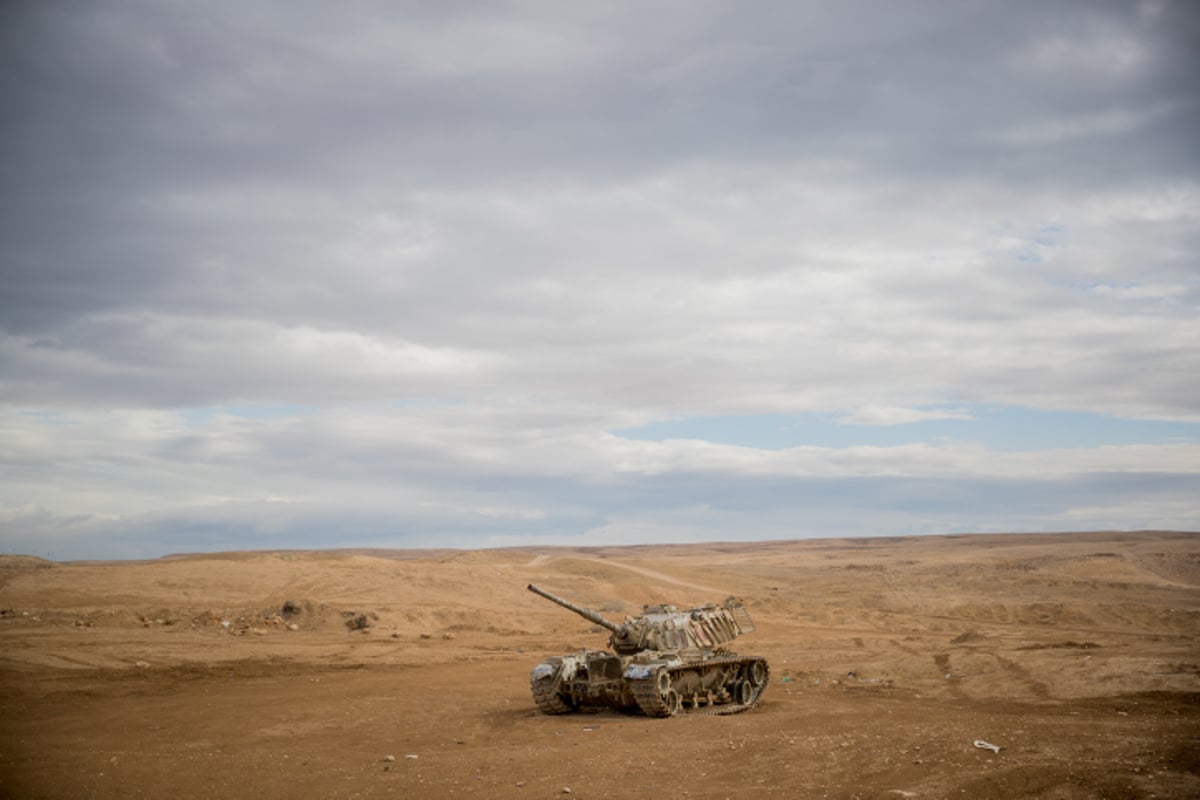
655 701
545 694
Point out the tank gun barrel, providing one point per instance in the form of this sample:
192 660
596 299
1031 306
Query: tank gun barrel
586 613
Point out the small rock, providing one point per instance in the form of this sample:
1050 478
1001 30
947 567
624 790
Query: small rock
389 758
447 635
412 756
142 664
293 627
566 790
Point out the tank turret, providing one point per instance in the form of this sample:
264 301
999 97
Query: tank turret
664 659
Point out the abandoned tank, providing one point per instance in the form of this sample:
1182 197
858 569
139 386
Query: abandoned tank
663 662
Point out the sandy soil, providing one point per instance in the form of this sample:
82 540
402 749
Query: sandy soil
239 675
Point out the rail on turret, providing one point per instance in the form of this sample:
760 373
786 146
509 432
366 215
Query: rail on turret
586 613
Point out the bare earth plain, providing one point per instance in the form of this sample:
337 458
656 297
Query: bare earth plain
249 675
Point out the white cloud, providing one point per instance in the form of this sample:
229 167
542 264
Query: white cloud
896 415
1144 292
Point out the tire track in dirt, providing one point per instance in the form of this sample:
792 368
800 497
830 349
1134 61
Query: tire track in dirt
905 648
1018 672
942 660
1035 687
543 560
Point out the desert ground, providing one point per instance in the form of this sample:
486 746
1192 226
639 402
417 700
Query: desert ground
390 674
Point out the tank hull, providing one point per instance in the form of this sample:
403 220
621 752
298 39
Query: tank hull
664 686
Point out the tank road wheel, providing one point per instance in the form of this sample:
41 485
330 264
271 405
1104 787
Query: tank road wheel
743 680
673 702
758 673
655 697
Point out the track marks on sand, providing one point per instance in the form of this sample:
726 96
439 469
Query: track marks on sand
662 577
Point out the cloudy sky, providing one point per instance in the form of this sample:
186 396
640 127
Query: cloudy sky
308 274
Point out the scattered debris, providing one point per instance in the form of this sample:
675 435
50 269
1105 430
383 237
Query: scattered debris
982 745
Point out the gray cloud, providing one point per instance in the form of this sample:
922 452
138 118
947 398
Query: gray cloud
530 224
